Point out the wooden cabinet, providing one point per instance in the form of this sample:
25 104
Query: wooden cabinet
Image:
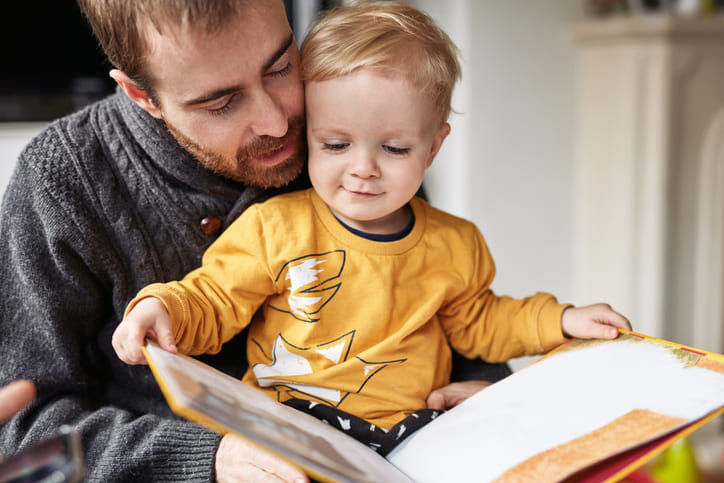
649 175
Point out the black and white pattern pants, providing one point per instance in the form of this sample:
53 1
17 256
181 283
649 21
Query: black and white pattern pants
381 440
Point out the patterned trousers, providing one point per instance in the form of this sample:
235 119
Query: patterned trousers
381 440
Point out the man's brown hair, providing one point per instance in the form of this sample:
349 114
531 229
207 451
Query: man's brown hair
121 25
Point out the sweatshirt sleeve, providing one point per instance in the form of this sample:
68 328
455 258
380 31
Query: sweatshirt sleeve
55 304
215 302
480 323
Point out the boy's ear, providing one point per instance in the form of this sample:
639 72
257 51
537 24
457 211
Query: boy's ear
437 140
137 95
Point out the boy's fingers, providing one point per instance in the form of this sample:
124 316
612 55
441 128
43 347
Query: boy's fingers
163 336
608 332
117 343
168 343
617 320
599 331
623 322
136 336
138 357
126 355
134 341
606 315
128 352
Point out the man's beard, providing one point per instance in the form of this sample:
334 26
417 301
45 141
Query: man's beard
244 169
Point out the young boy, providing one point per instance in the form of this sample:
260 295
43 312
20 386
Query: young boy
354 290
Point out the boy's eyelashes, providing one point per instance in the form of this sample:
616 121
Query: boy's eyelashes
334 146
395 150
338 147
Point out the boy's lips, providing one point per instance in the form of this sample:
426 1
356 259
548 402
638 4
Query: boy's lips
363 194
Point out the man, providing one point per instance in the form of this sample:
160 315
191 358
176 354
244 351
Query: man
209 121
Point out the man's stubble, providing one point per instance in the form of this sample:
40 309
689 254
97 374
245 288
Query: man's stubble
244 169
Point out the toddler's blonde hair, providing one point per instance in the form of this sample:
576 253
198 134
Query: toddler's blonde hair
391 36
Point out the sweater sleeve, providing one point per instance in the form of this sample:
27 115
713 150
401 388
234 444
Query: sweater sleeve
479 323
216 301
56 299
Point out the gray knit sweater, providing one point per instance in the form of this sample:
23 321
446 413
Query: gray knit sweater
101 203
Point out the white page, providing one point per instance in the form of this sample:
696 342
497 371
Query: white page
549 403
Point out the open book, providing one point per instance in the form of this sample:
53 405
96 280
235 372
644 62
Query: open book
587 411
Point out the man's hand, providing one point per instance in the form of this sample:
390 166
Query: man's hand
237 460
598 321
147 319
14 397
453 394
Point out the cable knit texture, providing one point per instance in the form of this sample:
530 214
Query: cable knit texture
102 203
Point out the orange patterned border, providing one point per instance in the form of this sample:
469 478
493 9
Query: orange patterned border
626 431
711 364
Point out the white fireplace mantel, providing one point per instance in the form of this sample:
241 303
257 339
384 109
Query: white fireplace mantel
650 173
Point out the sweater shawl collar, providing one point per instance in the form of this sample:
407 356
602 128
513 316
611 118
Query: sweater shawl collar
162 149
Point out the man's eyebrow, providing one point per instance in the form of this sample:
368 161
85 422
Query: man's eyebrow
217 94
212 96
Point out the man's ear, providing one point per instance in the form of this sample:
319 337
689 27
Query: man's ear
137 95
437 140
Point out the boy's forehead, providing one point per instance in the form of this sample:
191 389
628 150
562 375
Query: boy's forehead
395 73
384 98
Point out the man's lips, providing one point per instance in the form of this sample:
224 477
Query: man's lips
277 156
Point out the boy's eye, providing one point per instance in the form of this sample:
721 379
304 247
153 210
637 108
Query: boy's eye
335 146
396 151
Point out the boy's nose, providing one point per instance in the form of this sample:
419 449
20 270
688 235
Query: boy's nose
365 166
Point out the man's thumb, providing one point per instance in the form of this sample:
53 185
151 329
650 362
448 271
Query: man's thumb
436 400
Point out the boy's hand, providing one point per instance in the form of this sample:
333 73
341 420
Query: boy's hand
598 321
147 319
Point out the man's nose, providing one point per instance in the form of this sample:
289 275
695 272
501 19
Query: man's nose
268 118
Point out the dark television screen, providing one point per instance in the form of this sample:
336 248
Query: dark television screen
51 63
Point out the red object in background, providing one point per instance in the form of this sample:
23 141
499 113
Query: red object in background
639 476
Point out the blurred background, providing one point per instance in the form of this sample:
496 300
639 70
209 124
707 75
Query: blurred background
588 142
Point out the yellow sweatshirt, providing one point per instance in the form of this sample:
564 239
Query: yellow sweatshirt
357 324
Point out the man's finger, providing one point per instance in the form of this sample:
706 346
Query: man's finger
14 397
233 463
436 400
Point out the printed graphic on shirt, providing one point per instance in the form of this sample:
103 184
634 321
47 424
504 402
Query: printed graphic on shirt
289 360
312 281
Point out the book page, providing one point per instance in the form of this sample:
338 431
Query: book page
202 394
574 407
